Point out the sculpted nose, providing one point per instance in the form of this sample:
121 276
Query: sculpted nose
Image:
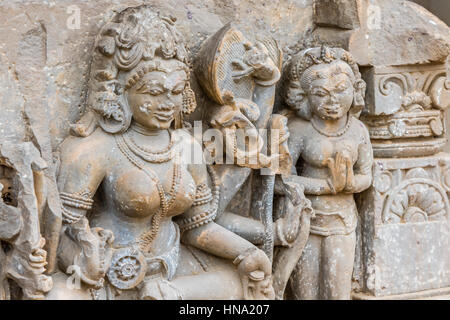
333 98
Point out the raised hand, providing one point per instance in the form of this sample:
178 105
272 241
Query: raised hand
338 172
256 62
350 183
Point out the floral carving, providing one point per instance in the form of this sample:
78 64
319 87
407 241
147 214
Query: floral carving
416 200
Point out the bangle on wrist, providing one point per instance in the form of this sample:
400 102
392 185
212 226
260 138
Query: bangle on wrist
270 82
330 184
243 255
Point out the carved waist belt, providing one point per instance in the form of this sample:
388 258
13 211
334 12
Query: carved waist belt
340 222
129 266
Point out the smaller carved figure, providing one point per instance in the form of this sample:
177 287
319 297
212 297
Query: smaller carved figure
332 150
25 260
239 77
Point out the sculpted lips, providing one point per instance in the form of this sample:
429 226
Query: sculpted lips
164 115
165 112
332 109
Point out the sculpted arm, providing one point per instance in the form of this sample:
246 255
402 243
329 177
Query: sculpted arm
209 236
83 250
81 172
312 186
199 230
363 167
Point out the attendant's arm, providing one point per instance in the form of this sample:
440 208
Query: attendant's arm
363 166
312 186
83 167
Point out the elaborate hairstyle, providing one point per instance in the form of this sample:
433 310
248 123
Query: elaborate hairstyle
124 52
297 71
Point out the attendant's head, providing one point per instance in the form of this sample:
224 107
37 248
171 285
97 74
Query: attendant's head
325 82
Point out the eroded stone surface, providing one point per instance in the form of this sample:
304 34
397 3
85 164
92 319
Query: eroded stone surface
61 60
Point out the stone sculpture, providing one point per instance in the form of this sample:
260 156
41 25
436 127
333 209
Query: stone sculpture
129 175
325 90
24 259
278 196
239 78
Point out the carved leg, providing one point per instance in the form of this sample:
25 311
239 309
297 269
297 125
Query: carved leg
338 255
67 288
217 285
202 276
304 281
199 277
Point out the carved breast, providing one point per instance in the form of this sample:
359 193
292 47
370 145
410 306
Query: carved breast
137 195
318 148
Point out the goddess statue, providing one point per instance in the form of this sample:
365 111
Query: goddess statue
138 219
332 155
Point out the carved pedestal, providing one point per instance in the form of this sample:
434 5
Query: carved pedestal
405 214
405 229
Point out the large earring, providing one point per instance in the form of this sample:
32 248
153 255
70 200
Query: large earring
189 102
116 115
303 110
358 98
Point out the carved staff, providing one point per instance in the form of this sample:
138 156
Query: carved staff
263 203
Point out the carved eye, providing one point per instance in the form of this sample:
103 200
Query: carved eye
154 91
320 93
150 88
178 89
342 87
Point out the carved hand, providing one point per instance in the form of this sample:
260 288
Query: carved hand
95 256
288 226
296 204
256 62
255 270
350 183
338 172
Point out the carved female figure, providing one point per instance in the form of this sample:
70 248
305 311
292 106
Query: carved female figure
325 90
122 185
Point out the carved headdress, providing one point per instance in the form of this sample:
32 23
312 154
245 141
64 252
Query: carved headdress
297 71
125 50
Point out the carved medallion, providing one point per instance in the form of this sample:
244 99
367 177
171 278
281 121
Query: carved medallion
128 267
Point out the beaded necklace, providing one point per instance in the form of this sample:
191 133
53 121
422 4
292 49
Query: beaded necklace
166 200
148 155
338 133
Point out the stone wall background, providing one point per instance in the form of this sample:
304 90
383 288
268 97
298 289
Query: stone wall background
59 60
41 43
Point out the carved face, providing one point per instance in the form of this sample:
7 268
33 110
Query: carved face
330 89
154 99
